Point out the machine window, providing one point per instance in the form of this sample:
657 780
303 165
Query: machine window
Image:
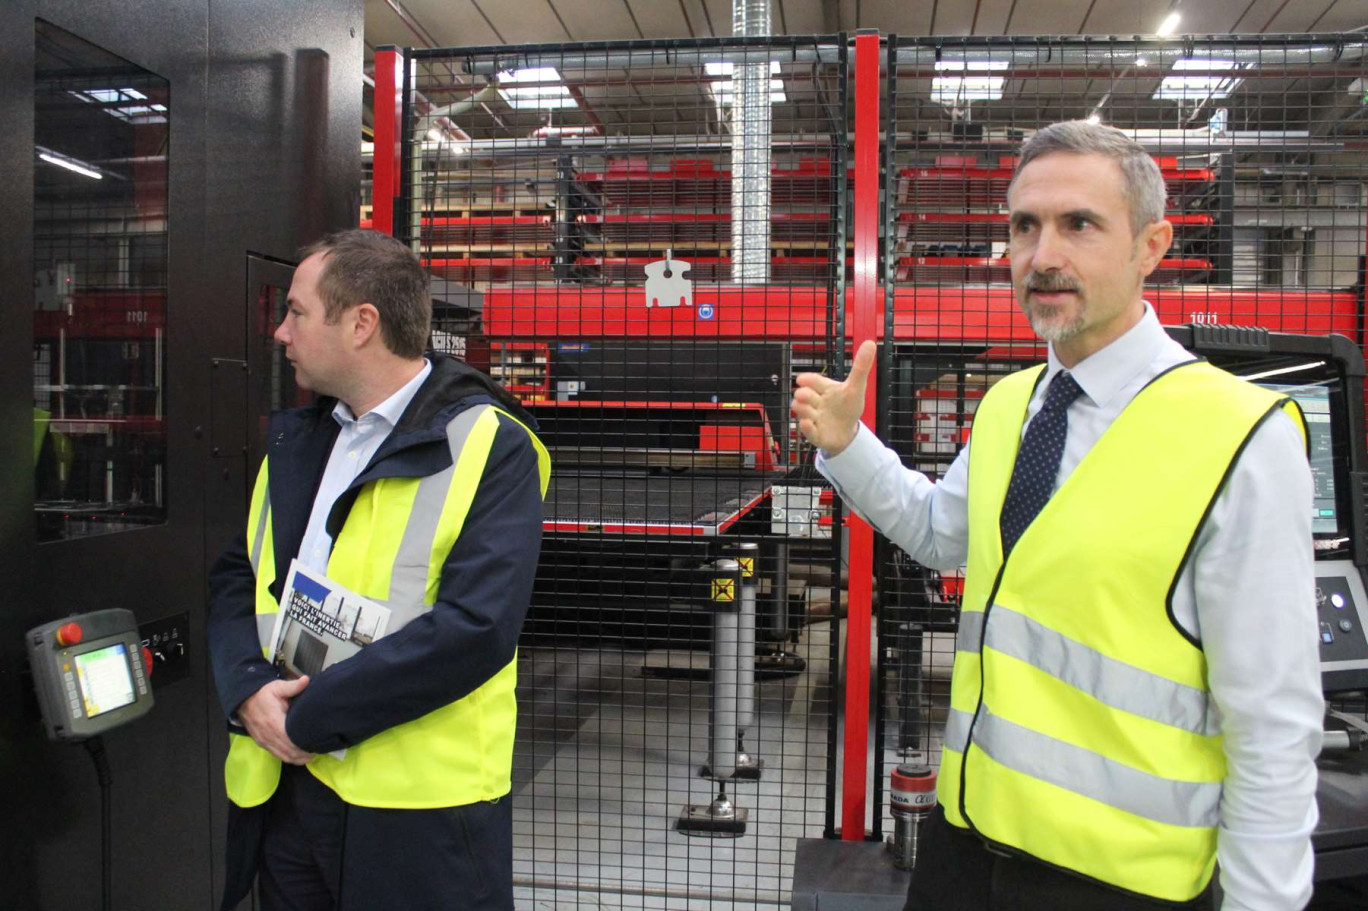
101 128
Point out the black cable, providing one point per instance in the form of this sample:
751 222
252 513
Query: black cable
95 747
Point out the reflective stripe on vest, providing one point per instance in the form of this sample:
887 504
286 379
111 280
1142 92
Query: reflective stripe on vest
1115 683
250 773
392 548
1081 730
1174 803
262 556
408 595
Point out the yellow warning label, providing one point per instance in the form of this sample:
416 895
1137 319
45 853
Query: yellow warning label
747 565
724 589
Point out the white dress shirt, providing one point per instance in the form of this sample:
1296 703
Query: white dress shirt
1247 594
356 443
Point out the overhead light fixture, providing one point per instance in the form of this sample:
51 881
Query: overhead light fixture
1094 119
1169 25
1141 61
1197 88
71 164
955 90
724 89
724 67
555 130
972 66
549 93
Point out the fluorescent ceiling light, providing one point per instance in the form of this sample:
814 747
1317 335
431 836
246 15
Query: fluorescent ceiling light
973 66
955 90
71 164
724 68
1209 85
556 130
1169 26
1094 119
541 97
724 89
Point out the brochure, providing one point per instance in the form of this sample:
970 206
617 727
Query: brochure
321 623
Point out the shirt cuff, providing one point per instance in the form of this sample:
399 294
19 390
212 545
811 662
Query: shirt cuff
855 456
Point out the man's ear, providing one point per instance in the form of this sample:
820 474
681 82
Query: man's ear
365 324
1152 244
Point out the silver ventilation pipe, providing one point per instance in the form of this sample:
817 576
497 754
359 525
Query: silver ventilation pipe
652 56
1158 56
1096 53
751 150
443 121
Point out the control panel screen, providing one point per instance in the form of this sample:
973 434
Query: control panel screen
106 682
1315 405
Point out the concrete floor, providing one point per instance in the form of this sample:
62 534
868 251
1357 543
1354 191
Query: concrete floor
607 758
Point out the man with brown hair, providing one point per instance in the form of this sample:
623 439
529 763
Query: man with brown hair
413 480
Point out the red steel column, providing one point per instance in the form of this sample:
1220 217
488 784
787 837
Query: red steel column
385 167
862 318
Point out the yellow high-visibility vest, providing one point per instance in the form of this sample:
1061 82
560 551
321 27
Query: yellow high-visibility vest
391 549
1081 729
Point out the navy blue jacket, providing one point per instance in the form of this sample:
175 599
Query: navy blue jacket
471 632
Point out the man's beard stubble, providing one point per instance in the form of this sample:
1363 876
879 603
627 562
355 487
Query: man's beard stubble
1048 331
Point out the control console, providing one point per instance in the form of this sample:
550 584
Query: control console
1342 612
90 671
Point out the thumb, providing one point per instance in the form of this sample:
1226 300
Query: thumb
293 688
863 364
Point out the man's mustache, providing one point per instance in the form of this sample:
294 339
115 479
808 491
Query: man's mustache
1050 282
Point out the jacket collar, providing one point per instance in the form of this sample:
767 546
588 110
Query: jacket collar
301 439
450 388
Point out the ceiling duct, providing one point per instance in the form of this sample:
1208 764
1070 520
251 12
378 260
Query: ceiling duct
750 116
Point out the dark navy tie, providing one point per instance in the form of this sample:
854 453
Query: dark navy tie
1037 463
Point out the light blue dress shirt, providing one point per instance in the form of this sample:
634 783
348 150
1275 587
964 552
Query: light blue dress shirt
1247 593
356 444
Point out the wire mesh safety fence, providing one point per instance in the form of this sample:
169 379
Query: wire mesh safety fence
645 241
1259 142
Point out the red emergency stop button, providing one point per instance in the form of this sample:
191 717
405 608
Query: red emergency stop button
69 634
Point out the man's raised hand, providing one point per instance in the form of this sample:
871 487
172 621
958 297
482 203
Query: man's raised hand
828 411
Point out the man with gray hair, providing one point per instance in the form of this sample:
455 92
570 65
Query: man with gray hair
1136 690
416 481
